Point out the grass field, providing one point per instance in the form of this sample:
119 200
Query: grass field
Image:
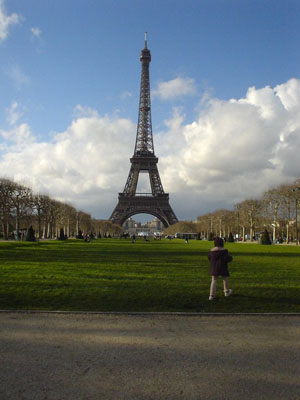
116 275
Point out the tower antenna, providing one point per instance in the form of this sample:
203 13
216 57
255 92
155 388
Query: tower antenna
145 40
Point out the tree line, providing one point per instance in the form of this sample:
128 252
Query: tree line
21 208
274 211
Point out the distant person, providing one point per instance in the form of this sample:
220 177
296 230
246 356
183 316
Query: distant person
187 240
133 238
219 258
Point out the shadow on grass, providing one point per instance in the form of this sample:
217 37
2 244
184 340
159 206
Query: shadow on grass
45 252
273 255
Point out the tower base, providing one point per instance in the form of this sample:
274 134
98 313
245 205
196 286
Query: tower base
158 206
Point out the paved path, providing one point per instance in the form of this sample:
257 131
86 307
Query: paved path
93 356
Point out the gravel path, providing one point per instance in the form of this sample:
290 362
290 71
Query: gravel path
106 356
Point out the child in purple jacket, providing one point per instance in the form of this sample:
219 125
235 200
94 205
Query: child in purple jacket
219 258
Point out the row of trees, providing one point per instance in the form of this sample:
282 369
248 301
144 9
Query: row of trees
274 211
21 208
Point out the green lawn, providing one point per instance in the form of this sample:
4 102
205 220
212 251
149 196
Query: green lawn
116 275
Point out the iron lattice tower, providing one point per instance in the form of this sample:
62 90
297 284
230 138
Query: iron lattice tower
144 160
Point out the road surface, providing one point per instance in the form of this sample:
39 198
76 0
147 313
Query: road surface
81 356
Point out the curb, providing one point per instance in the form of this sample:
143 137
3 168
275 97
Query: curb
145 314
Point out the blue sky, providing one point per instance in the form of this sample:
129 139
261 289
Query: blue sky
71 64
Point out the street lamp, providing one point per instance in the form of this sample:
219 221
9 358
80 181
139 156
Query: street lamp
238 207
296 206
275 223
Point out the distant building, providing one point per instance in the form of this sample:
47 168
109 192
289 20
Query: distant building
137 228
129 224
156 224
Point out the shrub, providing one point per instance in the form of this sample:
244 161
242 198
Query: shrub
265 239
230 238
80 235
211 236
30 236
61 234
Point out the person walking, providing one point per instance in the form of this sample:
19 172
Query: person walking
219 258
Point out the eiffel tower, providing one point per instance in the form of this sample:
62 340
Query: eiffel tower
143 161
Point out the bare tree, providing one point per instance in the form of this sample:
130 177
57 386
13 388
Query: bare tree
296 197
42 208
84 222
6 206
106 227
181 226
250 213
22 203
19 204
70 220
287 207
272 200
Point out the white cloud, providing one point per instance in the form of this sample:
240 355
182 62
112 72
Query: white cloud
87 164
234 150
18 76
82 111
20 135
175 88
6 21
13 113
125 95
36 31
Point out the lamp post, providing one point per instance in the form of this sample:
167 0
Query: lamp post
238 222
275 224
296 203
296 210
